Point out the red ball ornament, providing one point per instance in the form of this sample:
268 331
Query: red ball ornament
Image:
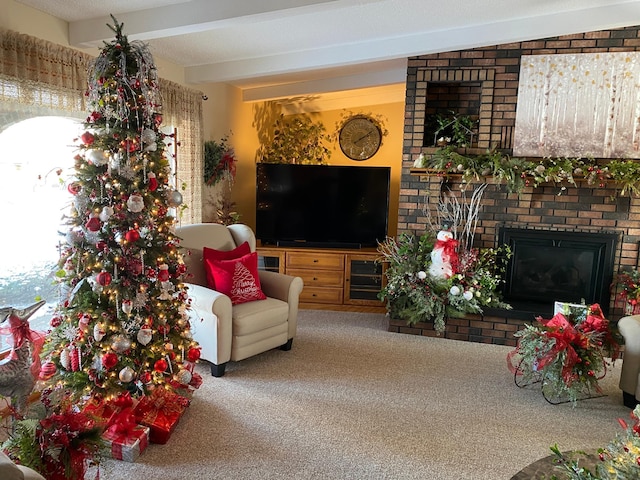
104 278
55 322
132 236
145 377
109 360
160 365
193 354
87 138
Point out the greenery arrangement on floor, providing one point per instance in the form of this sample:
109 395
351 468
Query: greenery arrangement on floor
566 354
620 459
434 275
518 173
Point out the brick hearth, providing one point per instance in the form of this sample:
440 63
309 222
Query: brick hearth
436 83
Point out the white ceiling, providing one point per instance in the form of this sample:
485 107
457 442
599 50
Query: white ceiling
305 48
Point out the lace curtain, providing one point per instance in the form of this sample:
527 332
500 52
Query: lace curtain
38 77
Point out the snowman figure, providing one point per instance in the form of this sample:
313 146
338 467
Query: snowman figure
443 256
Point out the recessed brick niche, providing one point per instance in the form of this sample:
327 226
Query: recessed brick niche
491 73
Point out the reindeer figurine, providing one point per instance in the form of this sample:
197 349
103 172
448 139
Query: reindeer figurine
18 372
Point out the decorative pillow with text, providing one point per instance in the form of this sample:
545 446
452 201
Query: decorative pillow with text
217 255
238 278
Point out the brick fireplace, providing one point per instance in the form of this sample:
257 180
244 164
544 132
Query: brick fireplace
483 82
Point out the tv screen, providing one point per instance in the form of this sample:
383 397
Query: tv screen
321 205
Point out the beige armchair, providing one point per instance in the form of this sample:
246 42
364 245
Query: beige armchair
11 471
229 332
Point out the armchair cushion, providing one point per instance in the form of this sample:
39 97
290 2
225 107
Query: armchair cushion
217 255
238 278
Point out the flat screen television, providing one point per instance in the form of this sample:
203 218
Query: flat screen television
325 206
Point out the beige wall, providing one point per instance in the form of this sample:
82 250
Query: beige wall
248 120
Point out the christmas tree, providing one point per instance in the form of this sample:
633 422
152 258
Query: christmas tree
122 322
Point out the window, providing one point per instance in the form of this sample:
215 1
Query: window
36 158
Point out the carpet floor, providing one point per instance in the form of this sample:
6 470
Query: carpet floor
353 401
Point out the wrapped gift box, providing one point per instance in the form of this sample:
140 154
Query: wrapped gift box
160 411
127 446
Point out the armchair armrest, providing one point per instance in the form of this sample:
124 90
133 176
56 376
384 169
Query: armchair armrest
286 288
211 322
629 376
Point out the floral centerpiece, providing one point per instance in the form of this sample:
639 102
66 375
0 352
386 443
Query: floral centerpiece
569 354
626 286
619 460
416 293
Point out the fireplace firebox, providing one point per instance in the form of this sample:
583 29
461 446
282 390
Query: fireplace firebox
548 266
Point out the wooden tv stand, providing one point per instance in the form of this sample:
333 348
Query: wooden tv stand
334 279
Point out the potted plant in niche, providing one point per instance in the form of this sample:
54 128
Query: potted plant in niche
296 139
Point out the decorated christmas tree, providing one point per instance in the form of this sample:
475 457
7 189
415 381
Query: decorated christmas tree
121 326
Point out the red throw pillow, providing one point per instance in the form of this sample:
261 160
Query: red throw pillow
217 255
238 278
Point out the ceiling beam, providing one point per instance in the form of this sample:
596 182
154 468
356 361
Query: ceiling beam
180 19
563 23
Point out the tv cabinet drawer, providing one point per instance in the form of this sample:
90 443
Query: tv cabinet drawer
321 295
319 278
325 261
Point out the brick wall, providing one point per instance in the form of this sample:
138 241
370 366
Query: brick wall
495 70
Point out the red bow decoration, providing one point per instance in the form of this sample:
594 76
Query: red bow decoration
566 337
448 249
21 332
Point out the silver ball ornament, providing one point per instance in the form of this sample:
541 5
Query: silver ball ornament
126 374
174 198
120 344
184 377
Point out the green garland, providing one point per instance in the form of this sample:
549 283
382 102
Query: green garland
518 173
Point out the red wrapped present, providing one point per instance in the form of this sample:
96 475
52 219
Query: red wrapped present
160 411
125 439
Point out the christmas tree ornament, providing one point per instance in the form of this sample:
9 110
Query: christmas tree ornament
106 213
47 370
132 236
135 203
74 358
109 360
65 358
120 344
144 336
174 198
145 378
87 138
193 354
74 188
97 157
161 365
126 374
153 182
98 332
93 223
127 306
148 135
104 278
183 377
163 272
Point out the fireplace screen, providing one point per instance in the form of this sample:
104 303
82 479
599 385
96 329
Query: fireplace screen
566 266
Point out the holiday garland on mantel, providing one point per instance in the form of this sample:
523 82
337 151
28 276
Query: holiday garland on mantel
122 323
